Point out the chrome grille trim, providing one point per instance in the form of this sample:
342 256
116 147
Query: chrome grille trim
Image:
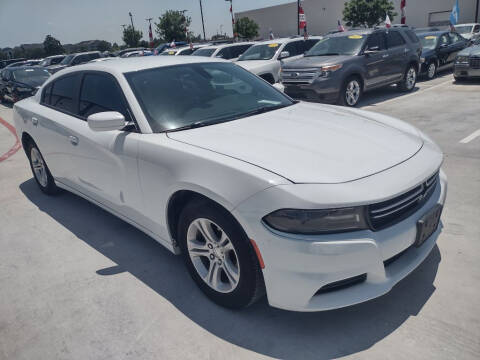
400 202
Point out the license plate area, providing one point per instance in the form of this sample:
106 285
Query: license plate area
428 224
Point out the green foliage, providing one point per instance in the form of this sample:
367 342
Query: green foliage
367 13
131 37
36 53
104 46
52 46
172 25
246 28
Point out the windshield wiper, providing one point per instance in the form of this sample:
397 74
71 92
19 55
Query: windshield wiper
260 110
190 126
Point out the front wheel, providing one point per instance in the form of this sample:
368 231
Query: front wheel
219 256
410 79
351 92
431 70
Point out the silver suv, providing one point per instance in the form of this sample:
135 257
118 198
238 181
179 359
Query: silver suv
340 67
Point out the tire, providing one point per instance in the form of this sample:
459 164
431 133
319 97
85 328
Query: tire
409 79
351 92
236 257
431 70
40 170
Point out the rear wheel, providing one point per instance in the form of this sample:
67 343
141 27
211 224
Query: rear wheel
219 256
410 79
40 170
351 92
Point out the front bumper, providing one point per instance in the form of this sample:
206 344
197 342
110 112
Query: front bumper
465 71
322 89
297 267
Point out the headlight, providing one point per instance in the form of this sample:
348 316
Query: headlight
462 60
23 89
422 60
310 222
326 70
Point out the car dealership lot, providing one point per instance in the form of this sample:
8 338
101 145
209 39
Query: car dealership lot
76 282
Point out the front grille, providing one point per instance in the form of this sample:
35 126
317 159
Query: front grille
475 63
303 76
390 212
342 284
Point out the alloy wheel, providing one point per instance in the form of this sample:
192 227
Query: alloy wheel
213 255
38 166
411 78
352 92
431 70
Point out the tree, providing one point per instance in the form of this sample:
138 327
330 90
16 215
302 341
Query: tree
131 37
367 13
173 25
104 46
52 46
246 28
36 53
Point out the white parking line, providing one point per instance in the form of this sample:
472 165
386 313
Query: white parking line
411 94
470 137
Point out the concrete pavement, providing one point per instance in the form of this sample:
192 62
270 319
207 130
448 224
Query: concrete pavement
78 283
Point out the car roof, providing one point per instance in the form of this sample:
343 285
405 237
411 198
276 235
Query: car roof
433 33
221 46
125 65
354 32
285 40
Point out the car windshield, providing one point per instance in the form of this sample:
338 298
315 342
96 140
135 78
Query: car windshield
465 29
260 52
67 59
193 95
33 77
428 41
204 52
338 45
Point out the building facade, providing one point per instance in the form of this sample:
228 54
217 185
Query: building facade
322 15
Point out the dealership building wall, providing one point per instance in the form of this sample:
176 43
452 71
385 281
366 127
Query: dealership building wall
322 15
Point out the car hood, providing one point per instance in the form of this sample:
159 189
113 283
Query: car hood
254 64
470 51
311 143
316 61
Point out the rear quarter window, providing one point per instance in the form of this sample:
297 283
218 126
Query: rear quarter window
64 94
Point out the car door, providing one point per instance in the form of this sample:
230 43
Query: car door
395 64
457 44
375 61
104 163
443 49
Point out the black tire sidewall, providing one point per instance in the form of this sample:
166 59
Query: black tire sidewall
244 293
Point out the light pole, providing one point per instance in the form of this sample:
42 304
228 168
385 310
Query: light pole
203 23
298 17
476 11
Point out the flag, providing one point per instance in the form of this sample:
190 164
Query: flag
403 4
302 20
150 35
388 23
454 14
172 44
340 26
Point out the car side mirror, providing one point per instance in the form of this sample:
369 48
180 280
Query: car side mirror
283 55
106 121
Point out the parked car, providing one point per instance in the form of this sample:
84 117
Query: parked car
162 47
124 51
52 60
17 83
228 51
4 63
137 53
25 63
469 31
467 63
265 58
74 59
440 49
342 66
184 50
321 207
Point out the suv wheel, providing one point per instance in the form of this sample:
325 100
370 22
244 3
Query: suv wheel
431 70
351 92
219 255
410 79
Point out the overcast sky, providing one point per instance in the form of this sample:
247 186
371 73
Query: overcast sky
71 21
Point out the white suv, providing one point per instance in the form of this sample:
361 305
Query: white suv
229 51
265 58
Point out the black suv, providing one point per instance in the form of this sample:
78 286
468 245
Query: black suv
341 66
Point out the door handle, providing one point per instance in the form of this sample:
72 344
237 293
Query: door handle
34 121
73 139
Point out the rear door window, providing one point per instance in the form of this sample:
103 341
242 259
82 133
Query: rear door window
394 39
64 94
100 92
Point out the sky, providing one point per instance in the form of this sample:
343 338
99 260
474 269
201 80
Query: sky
71 21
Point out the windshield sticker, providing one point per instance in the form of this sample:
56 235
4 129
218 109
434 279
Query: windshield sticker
430 37
171 53
355 37
28 70
273 45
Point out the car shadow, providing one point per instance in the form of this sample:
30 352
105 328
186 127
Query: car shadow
259 328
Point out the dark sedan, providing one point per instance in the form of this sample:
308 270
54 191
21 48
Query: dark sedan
440 49
467 63
17 83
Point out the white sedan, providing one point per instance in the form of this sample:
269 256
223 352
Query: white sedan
318 206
